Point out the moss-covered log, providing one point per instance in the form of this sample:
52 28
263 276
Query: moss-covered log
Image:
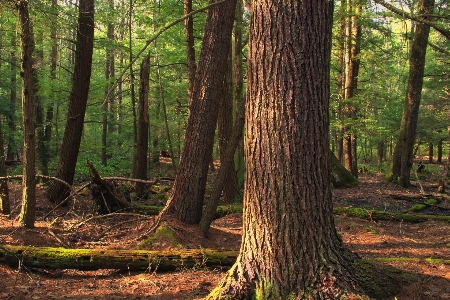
377 215
94 259
154 210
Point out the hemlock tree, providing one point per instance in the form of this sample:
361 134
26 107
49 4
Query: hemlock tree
77 103
140 156
290 247
27 213
186 202
403 153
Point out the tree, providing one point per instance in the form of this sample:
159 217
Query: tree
27 214
186 201
290 247
351 69
77 103
403 153
140 157
4 193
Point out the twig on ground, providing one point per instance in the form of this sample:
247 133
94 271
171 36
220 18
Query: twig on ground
67 198
101 217
57 238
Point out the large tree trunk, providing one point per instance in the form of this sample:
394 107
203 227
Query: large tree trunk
403 153
129 260
77 103
186 201
27 214
290 246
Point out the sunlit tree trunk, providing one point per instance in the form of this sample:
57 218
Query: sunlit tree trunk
351 70
290 247
27 214
187 198
77 103
403 153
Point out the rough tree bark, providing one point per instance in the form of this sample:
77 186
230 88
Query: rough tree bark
186 201
77 103
27 214
403 153
290 247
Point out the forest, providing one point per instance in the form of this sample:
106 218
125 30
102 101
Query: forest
224 149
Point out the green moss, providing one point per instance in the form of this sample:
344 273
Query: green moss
162 231
418 207
371 230
432 201
437 260
397 259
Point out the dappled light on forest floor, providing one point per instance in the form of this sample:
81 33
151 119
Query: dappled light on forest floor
423 249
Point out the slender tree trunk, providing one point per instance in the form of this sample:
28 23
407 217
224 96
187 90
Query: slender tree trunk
226 166
430 152
27 214
238 84
11 119
439 149
190 47
225 126
4 192
42 149
77 103
187 198
143 121
132 92
351 54
403 153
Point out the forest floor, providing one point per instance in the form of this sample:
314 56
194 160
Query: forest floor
405 246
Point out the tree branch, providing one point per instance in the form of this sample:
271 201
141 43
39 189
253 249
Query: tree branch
404 14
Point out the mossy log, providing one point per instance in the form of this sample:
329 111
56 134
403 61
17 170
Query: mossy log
377 215
94 259
154 210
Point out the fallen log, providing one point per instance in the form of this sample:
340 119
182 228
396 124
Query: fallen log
378 215
133 260
221 211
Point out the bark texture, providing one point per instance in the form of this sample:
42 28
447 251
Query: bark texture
77 103
403 153
186 201
290 247
27 214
